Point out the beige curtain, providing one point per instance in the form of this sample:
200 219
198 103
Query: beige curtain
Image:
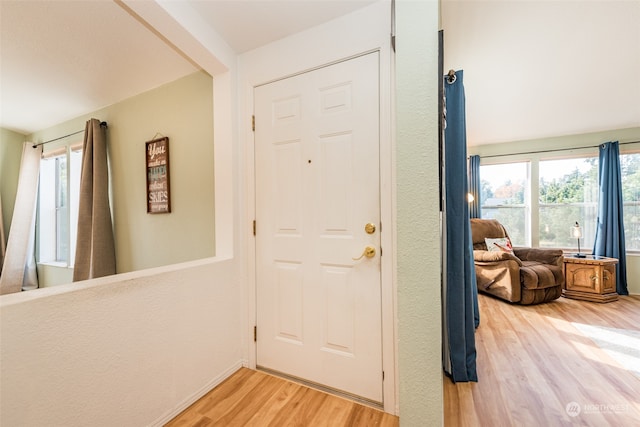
95 248
2 241
19 266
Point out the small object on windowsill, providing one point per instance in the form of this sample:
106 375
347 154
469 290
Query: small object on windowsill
579 255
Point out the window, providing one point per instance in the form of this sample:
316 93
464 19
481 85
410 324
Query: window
58 205
630 171
568 193
504 196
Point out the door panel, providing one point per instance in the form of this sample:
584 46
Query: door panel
317 186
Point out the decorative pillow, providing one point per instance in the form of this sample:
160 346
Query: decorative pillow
501 244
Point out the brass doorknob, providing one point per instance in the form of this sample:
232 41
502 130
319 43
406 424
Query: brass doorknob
369 252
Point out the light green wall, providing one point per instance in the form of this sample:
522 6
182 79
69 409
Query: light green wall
573 144
10 156
418 236
183 111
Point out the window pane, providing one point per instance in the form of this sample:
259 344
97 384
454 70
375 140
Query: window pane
62 234
503 197
514 220
47 211
568 194
74 177
556 222
54 208
62 210
630 171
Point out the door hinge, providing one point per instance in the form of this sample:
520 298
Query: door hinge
253 123
382 375
254 227
255 334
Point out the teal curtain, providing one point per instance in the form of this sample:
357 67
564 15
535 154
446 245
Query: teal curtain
609 240
460 304
474 186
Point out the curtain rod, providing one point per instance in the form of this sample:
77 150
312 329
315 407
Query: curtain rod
102 124
554 151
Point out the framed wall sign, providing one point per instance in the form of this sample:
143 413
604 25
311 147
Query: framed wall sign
158 195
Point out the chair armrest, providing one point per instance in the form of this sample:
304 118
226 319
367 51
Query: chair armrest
542 255
486 256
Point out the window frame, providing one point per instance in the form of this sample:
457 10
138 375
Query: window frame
585 246
534 180
66 151
634 251
525 206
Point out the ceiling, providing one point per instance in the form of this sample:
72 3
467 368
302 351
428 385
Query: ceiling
247 24
531 69
64 59
538 69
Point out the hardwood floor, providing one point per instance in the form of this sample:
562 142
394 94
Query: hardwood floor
253 398
533 364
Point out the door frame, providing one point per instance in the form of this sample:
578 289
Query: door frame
387 239
287 58
366 66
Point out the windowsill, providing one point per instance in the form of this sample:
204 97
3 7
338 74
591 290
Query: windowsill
56 264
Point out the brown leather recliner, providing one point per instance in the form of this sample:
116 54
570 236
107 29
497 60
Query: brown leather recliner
526 276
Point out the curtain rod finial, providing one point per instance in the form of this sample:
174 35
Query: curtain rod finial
451 76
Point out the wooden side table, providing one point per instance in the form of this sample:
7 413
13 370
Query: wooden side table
592 278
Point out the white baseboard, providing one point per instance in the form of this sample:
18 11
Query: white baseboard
172 413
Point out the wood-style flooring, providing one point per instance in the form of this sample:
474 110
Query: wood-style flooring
535 368
254 398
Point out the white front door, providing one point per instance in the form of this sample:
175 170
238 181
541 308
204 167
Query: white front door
317 188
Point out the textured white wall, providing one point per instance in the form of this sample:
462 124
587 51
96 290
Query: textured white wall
418 249
134 349
126 350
